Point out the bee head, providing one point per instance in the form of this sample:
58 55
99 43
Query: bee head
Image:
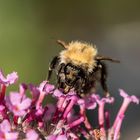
79 54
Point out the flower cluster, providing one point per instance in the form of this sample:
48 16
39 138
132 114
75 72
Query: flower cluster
24 118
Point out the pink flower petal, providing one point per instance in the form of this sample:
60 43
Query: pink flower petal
39 111
15 98
42 86
31 135
19 112
25 104
133 98
71 93
51 137
34 92
81 102
123 93
61 137
49 88
46 87
11 136
5 126
2 107
90 103
91 106
108 100
10 78
57 93
22 88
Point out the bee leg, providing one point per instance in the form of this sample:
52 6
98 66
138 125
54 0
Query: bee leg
52 66
78 87
60 76
104 78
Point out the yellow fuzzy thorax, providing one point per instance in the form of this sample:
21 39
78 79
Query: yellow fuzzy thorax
79 54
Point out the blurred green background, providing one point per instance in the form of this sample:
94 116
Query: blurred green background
29 30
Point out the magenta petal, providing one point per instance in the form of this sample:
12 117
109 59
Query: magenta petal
5 126
51 137
39 111
2 107
57 93
42 86
15 98
123 93
108 100
118 127
90 103
11 136
22 88
18 103
32 135
95 96
19 112
71 93
61 137
91 106
3 80
45 86
81 102
25 104
8 103
34 92
12 78
132 98
49 88
135 99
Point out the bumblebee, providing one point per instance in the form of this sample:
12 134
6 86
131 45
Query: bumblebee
79 67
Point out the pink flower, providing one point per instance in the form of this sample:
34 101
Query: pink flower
51 137
9 79
121 113
101 103
31 119
22 89
34 93
17 103
31 135
5 131
72 100
3 111
6 81
127 100
57 93
89 102
44 88
59 137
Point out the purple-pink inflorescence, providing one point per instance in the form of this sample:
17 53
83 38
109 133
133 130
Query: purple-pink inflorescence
32 118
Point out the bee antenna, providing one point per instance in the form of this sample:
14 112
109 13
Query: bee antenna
62 43
107 58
